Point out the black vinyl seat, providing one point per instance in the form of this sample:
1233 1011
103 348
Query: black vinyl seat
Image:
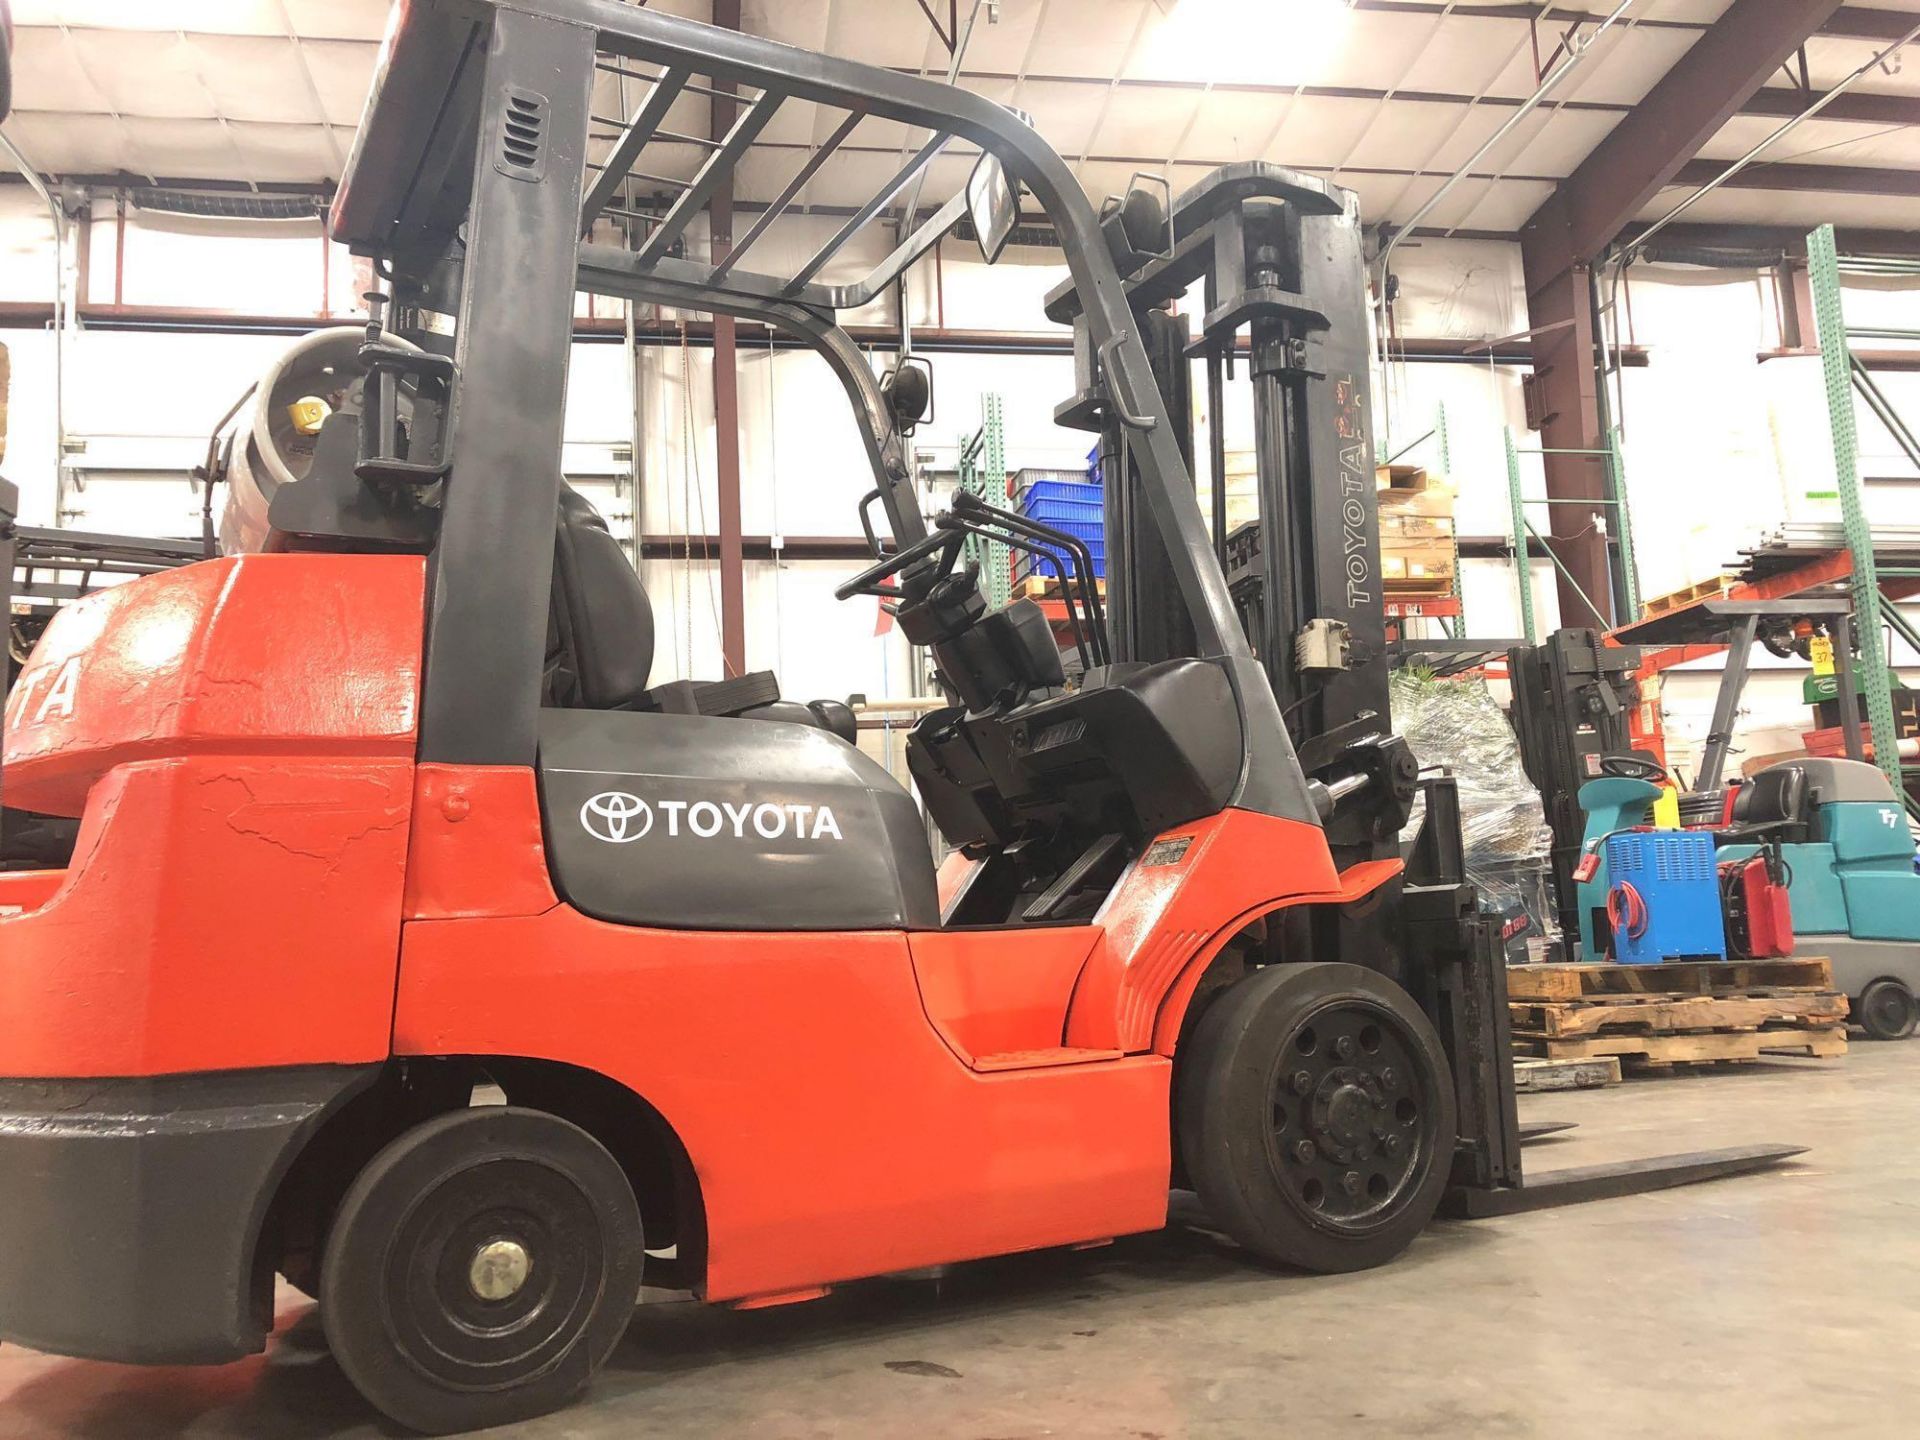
1773 803
600 641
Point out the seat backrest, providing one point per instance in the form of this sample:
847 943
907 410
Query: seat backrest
602 620
1776 796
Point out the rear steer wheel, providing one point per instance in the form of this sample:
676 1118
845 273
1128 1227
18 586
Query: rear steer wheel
1887 1010
481 1269
1316 1116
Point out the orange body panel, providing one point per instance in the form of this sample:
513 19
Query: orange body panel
261 655
239 748
992 991
461 812
29 889
834 1133
1161 917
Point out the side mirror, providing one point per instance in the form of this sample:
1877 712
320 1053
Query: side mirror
993 205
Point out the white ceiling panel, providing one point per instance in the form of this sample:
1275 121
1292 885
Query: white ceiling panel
1401 135
337 19
1819 142
1380 195
1148 124
1466 56
1067 114
1503 205
342 72
210 17
1003 48
1831 59
1774 207
50 75
143 73
253 77
72 144
1557 143
1084 37
1234 123
1322 129
1623 64
266 91
286 153
1453 147
1698 11
791 22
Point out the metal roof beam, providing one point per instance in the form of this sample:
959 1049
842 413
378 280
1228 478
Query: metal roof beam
1824 179
1641 155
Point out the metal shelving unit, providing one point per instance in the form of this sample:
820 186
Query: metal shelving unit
1523 528
1845 376
982 468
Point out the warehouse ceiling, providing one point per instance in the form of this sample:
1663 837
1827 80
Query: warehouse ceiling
1385 96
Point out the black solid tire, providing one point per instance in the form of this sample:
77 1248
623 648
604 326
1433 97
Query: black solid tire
1887 1011
1225 1105
431 1353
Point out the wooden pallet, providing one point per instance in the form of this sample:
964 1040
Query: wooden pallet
1693 977
1679 599
1673 1014
1534 1074
1047 587
1693 1049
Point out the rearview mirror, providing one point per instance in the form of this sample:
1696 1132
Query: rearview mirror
993 205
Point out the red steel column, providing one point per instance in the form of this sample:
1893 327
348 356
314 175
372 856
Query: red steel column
726 396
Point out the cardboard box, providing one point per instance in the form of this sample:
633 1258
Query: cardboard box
1417 553
1400 479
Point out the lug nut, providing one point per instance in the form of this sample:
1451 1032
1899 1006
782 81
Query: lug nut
1343 1047
1388 1078
1393 1144
1302 1082
1350 1182
1303 1150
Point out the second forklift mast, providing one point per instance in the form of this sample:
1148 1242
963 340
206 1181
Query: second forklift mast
1278 256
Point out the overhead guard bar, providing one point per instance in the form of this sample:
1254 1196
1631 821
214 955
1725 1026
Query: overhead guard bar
646 120
712 174
861 217
821 154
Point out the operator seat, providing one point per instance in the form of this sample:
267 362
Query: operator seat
1773 802
600 641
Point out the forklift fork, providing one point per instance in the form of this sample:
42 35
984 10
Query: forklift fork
1470 1010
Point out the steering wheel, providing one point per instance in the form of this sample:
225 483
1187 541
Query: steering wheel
872 580
1633 767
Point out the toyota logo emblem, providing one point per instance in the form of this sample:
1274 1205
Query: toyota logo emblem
616 817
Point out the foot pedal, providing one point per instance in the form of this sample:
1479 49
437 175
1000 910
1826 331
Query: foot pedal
1072 878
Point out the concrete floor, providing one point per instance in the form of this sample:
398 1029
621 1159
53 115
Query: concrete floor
1782 1304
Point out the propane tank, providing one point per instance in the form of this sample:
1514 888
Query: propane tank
315 378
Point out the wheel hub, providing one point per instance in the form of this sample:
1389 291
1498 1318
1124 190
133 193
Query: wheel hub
1350 1116
1345 1118
498 1270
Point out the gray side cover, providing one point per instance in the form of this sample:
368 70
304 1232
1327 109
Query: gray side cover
694 822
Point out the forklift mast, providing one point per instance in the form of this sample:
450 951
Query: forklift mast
468 184
1278 254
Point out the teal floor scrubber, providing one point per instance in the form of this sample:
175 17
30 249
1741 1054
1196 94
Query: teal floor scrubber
1851 879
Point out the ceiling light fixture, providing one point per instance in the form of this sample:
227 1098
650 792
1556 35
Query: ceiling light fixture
1249 42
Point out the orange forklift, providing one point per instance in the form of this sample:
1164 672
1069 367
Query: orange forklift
386 821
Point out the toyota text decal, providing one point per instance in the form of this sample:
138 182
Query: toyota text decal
619 818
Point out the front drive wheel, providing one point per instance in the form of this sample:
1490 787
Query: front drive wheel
1887 1011
1315 1113
481 1269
